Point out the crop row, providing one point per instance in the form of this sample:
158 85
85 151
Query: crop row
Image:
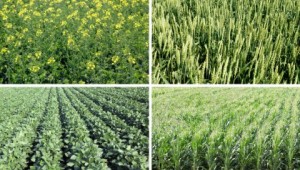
62 128
236 129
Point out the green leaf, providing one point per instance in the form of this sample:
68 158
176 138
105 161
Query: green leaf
73 157
70 164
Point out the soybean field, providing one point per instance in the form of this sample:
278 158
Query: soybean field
74 128
226 41
226 128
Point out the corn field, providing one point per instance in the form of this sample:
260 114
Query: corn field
226 128
226 41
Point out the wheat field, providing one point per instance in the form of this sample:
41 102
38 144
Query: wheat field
226 41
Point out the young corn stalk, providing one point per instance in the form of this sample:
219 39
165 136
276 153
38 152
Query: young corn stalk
276 145
292 133
212 149
263 136
197 146
162 150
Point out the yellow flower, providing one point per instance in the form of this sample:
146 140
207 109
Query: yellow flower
17 58
18 44
34 69
118 26
90 65
10 38
4 17
4 50
99 32
92 26
38 54
124 2
84 21
85 33
63 23
25 30
50 60
65 32
27 17
51 9
115 59
115 6
131 60
39 32
70 41
130 17
81 82
29 56
107 13
36 13
137 25
8 25
98 5
98 53
120 14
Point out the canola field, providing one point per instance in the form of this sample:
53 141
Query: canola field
226 41
226 128
74 128
74 41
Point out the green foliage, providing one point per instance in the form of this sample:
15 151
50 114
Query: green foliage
226 41
226 128
74 41
67 128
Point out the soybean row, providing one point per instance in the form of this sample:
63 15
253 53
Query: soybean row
68 128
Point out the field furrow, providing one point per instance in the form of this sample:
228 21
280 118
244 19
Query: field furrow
63 128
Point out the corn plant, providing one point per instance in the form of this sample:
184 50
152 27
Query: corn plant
225 128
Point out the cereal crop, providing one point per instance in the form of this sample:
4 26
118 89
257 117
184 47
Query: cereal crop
226 128
226 41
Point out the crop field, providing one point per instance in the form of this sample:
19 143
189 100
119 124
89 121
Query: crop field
226 128
226 41
74 41
74 128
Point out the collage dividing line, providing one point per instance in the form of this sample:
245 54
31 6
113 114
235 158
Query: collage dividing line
219 89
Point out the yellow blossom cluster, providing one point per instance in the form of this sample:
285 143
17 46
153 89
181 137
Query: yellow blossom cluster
34 69
59 41
90 65
50 60
131 60
115 59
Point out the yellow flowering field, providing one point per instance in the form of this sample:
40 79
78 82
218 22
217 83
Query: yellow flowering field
74 41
